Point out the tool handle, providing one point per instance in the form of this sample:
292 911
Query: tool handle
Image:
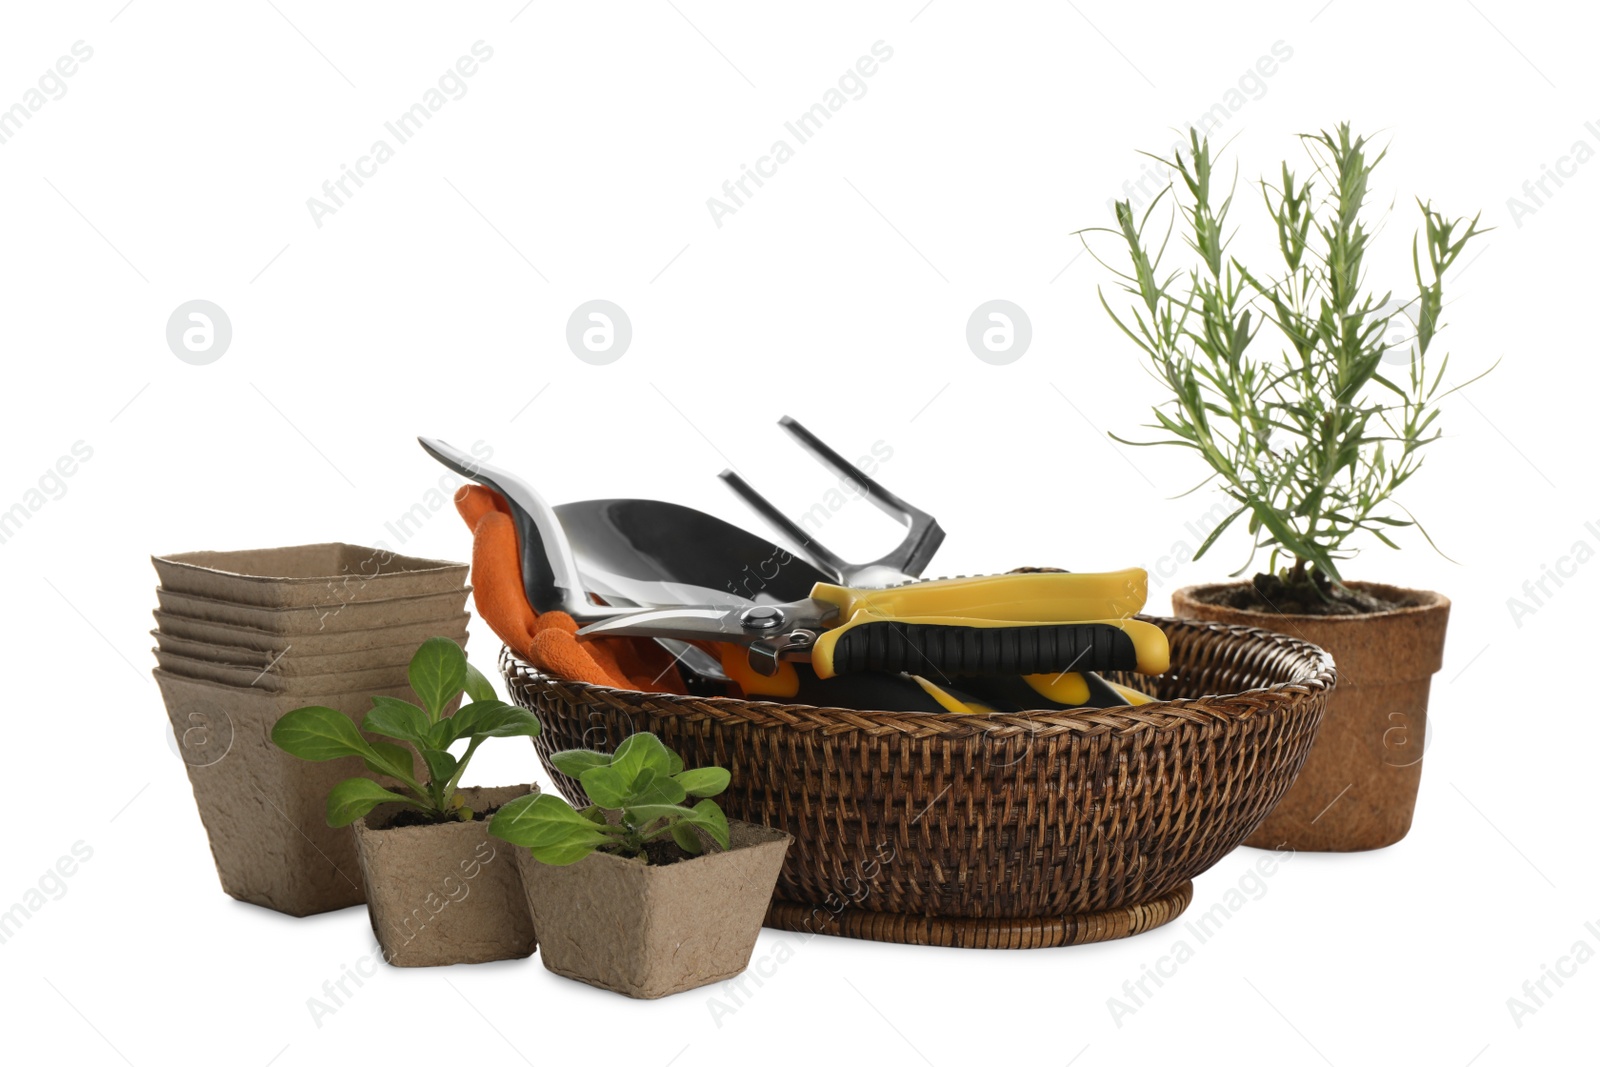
1051 596
946 648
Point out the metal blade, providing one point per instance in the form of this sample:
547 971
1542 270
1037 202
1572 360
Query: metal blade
549 572
695 658
617 594
622 591
689 624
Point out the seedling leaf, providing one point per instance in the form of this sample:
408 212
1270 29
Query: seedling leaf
437 673
572 762
319 733
703 781
354 797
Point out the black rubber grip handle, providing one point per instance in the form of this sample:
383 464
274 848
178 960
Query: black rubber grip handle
980 650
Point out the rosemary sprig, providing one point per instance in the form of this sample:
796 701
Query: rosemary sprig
1277 377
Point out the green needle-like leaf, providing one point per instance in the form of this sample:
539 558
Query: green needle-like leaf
1280 374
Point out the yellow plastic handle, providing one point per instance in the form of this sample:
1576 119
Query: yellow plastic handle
1038 597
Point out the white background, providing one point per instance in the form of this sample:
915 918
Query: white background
577 166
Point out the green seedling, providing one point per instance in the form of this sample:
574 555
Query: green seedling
439 673
1309 393
639 792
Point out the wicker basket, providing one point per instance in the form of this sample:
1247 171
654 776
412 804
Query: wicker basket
1045 828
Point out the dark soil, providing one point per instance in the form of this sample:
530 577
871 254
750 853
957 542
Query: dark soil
1269 593
413 817
662 851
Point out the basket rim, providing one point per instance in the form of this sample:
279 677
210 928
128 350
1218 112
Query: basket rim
1155 715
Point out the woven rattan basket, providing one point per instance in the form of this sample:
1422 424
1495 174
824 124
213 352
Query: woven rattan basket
1001 831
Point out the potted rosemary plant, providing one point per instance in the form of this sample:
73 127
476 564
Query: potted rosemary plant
1283 376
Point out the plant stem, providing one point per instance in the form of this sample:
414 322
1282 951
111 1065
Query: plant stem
461 767
1296 437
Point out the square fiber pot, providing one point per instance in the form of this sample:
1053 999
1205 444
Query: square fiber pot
332 618
327 643
265 811
447 893
306 576
647 931
274 681
290 664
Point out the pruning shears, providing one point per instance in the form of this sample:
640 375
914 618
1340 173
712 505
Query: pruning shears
1007 624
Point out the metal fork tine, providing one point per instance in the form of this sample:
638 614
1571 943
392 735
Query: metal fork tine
881 498
923 533
812 549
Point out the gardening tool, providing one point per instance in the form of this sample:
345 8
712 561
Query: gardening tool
658 542
660 553
550 577
615 532
904 563
549 572
664 550
907 559
655 552
1003 624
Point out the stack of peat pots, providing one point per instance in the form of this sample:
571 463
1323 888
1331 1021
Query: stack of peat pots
244 637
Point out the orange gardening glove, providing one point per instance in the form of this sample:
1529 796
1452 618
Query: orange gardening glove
547 640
